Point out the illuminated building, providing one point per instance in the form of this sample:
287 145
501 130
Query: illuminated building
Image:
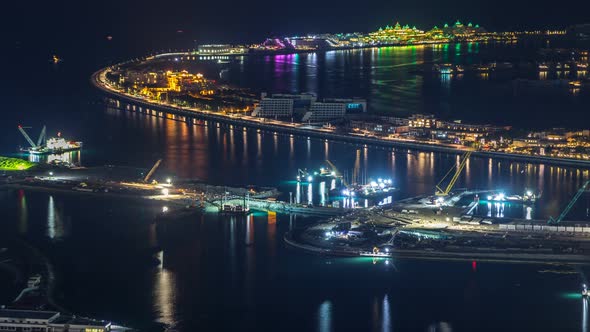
217 49
48 321
422 121
153 84
459 30
307 106
397 34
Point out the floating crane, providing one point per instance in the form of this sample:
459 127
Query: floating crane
570 204
40 140
458 169
152 171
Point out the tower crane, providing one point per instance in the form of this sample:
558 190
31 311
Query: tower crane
440 191
570 204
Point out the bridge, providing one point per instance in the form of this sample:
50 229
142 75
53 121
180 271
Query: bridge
280 206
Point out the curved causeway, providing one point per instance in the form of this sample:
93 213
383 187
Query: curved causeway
99 80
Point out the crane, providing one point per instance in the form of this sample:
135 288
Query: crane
22 130
152 171
42 136
40 140
337 173
458 169
570 204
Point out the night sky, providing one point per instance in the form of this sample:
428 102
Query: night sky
142 26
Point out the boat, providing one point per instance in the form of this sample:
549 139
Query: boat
373 189
543 66
444 68
584 290
52 145
481 68
55 145
527 197
303 175
376 253
235 209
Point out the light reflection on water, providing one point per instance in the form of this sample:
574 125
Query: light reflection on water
165 297
325 317
191 151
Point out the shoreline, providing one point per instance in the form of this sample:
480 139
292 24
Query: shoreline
528 258
347 138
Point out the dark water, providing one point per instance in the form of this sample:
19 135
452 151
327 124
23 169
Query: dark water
227 274
235 273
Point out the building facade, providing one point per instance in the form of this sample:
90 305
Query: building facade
274 108
321 112
48 321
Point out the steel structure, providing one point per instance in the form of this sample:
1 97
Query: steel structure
40 140
458 169
344 182
570 204
152 171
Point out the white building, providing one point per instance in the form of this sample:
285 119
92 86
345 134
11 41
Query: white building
320 112
220 49
307 106
274 108
48 321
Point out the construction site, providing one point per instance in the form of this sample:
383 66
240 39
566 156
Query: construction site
445 225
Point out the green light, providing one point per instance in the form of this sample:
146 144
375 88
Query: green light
14 164
571 296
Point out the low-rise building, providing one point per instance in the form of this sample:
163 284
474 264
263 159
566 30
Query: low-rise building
307 108
48 321
422 121
217 49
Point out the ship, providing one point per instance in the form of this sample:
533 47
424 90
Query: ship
235 209
51 145
374 189
376 253
303 175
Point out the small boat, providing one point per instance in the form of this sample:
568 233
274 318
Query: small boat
303 175
235 209
376 253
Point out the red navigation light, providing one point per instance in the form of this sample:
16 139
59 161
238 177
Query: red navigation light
474 266
20 126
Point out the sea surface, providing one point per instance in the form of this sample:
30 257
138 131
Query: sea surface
235 273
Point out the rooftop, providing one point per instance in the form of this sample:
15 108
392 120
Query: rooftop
27 314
